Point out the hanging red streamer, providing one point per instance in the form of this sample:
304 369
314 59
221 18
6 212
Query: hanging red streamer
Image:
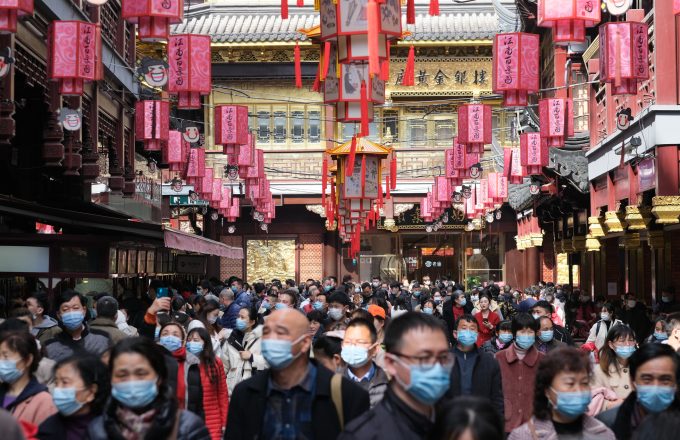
434 7
388 184
284 9
385 67
373 18
300 3
363 174
364 110
409 78
352 156
326 60
317 82
393 171
411 12
298 67
324 179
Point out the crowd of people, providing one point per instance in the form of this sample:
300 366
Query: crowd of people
348 360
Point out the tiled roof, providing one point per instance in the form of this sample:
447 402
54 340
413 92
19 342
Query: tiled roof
265 25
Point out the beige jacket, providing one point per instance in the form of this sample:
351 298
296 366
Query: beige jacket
238 370
617 381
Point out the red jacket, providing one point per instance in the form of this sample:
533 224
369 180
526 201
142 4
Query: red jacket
215 400
485 333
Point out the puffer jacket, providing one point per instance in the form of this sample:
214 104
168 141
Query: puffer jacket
237 369
536 429
215 399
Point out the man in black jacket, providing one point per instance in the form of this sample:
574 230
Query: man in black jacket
476 372
293 399
454 308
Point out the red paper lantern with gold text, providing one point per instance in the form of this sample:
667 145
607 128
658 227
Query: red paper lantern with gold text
231 127
557 120
174 153
512 165
153 17
624 55
10 11
152 123
676 7
74 54
195 166
474 126
516 67
568 18
533 153
190 69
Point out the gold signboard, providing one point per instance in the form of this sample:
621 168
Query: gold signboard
268 259
455 76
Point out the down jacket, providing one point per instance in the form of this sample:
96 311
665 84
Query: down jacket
215 399
237 369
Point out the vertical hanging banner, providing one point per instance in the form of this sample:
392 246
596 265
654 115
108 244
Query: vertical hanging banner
534 152
624 56
152 123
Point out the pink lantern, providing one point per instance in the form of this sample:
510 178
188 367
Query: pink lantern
474 126
624 55
676 7
74 54
234 210
196 165
173 153
463 160
216 193
533 152
516 67
10 10
152 124
568 18
231 127
557 120
451 173
153 17
190 69
206 186
513 165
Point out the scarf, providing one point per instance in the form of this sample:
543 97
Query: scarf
134 426
181 357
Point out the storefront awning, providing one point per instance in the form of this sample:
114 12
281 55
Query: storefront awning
194 243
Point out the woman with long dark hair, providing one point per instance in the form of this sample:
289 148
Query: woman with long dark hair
173 339
214 405
242 355
613 371
142 405
208 318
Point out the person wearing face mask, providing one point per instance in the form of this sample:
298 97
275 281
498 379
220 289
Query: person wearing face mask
454 308
338 305
359 348
613 372
230 308
20 393
208 318
44 327
654 369
599 330
667 304
561 400
295 397
81 390
416 296
635 315
546 342
419 364
241 297
501 339
142 405
76 336
475 373
518 364
172 337
660 334
375 283
242 352
486 320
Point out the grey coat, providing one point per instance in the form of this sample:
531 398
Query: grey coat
376 387
91 342
593 429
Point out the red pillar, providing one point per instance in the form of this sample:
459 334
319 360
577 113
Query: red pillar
666 71
667 170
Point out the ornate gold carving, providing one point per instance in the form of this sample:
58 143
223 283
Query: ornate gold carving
596 229
666 209
614 222
631 241
536 239
638 218
390 225
592 244
267 259
520 243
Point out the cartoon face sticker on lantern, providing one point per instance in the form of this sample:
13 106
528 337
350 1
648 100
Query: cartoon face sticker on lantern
191 134
154 72
467 192
6 61
232 172
534 188
618 7
193 196
457 197
176 184
476 171
71 119
623 118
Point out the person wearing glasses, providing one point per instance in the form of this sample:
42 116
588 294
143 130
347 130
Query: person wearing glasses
613 371
419 363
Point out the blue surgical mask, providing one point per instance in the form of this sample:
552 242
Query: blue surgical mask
9 373
354 355
93 313
428 383
625 351
467 337
266 305
655 398
437 299
525 341
336 314
65 400
428 310
135 393
546 335
318 305
660 336
474 298
241 324
72 320
327 288
280 306
171 343
279 352
416 293
195 347
234 289
463 302
505 337
572 404
212 319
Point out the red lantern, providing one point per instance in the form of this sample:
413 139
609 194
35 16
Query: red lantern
10 10
152 124
206 185
231 127
196 165
516 67
234 210
513 165
173 152
624 56
153 17
676 7
342 18
463 160
474 126
557 120
568 18
74 50
190 69
533 153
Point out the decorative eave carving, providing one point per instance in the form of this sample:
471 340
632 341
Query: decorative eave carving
572 165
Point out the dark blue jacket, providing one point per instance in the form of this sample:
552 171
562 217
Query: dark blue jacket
228 319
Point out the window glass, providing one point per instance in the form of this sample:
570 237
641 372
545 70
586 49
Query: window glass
263 126
279 127
298 129
417 130
314 132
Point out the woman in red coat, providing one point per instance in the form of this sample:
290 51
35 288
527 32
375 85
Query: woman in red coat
213 382
486 320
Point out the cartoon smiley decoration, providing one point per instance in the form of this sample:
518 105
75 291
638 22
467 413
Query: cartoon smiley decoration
618 7
6 61
70 119
153 72
623 118
191 133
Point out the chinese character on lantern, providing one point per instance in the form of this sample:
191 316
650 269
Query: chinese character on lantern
152 123
557 120
231 127
624 56
474 126
516 67
190 69
74 49
533 152
568 18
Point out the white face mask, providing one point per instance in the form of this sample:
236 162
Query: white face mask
631 303
605 316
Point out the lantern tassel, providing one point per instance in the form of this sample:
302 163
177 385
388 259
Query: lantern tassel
300 3
298 67
385 67
352 156
364 110
326 60
434 7
393 171
410 70
373 18
324 179
388 184
363 175
411 12
284 9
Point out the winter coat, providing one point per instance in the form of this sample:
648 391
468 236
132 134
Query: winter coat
486 333
599 330
593 429
11 430
237 369
376 387
617 381
450 317
59 427
638 320
215 399
48 323
33 405
248 403
228 319
108 326
62 346
491 347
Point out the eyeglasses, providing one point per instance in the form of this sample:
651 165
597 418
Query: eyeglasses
444 359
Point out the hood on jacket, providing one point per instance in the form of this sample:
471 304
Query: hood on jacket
48 322
32 388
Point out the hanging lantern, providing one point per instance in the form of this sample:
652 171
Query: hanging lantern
557 120
195 166
234 210
347 88
10 10
231 127
624 56
676 7
153 17
190 69
451 173
512 164
349 20
74 49
462 159
152 123
516 67
206 184
173 152
216 193
568 18
533 153
474 126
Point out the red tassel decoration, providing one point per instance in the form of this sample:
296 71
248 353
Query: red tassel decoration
434 7
373 17
363 174
300 3
326 60
324 179
409 78
352 156
317 82
284 9
411 12
380 195
365 131
393 171
385 67
298 67
388 184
